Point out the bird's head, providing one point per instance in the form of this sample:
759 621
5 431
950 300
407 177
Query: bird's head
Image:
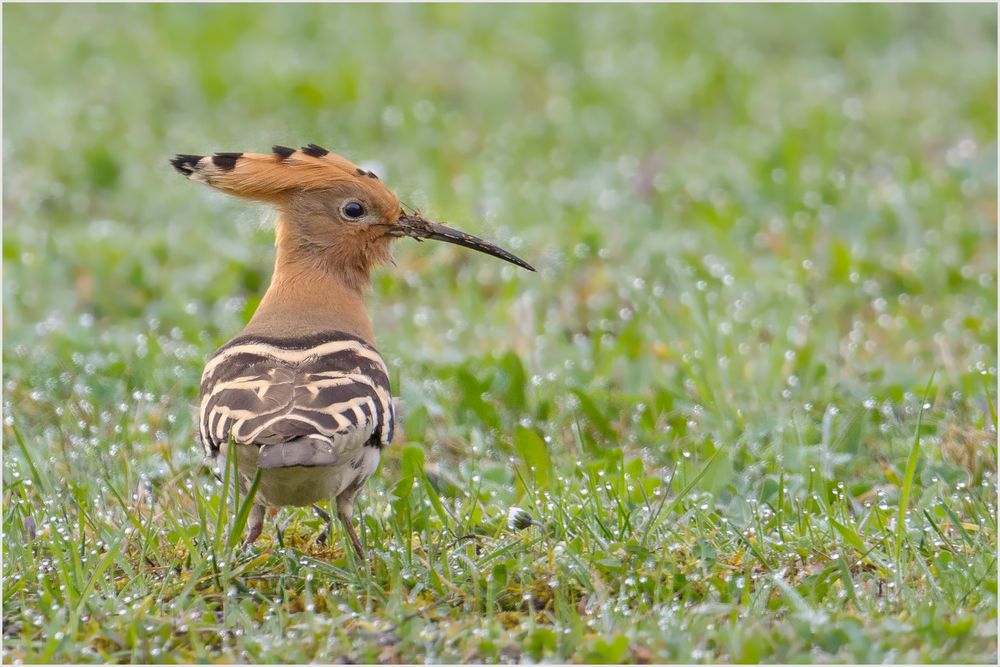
332 212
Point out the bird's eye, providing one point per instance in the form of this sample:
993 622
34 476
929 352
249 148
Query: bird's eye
353 210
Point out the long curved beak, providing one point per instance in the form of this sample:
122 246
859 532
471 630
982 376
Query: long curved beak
416 227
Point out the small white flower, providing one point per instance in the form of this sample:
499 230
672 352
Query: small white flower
519 519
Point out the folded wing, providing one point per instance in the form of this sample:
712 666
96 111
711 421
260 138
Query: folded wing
330 391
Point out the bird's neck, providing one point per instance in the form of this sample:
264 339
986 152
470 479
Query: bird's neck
305 298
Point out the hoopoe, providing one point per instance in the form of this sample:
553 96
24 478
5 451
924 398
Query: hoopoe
302 391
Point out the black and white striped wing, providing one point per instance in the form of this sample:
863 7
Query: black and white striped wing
266 391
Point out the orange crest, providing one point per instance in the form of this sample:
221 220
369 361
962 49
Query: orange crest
286 171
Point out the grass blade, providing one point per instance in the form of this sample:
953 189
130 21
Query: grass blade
911 469
241 516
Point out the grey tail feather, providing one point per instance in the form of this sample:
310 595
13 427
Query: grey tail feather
305 451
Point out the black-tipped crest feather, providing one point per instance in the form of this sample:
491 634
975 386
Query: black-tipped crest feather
314 151
185 164
226 160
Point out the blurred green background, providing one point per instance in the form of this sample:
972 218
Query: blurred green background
759 231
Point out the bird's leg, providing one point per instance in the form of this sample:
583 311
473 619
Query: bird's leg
256 523
328 529
344 512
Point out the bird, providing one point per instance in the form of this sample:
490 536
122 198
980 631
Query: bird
302 393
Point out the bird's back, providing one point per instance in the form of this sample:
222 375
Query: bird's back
330 388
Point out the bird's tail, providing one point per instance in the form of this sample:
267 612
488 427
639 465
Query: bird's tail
311 451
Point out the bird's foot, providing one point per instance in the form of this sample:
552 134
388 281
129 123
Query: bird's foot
256 521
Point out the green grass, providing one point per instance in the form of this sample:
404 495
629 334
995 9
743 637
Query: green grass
765 316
